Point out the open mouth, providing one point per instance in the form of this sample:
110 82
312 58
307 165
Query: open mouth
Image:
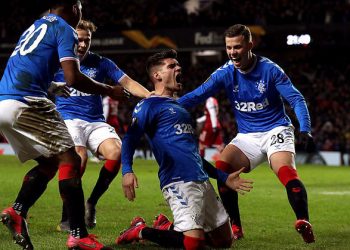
235 59
179 78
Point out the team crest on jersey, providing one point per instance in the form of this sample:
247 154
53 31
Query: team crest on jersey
261 86
172 111
91 72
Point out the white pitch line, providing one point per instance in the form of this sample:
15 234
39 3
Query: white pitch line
336 193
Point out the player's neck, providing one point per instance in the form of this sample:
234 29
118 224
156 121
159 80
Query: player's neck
251 63
164 93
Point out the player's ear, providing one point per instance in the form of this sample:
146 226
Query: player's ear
156 75
250 45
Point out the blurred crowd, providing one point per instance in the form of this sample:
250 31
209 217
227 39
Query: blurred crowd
150 14
323 81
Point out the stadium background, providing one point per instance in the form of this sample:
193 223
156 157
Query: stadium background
129 31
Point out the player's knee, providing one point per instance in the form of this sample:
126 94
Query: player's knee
286 174
49 171
221 242
112 152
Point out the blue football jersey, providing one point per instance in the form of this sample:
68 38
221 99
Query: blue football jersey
80 105
168 129
256 96
37 56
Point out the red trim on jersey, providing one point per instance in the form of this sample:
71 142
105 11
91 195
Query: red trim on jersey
287 174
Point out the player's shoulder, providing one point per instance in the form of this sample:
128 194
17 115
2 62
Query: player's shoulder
92 58
225 68
267 63
54 21
57 25
97 58
152 103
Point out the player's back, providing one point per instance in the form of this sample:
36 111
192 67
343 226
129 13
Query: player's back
35 59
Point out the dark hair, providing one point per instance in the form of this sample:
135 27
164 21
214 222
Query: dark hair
86 25
237 30
55 3
157 58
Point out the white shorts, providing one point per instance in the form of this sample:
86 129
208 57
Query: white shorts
34 129
258 147
195 205
90 134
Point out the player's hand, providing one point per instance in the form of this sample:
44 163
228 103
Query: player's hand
308 141
129 183
59 89
119 93
235 182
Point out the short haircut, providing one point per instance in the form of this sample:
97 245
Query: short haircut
86 25
56 3
157 58
237 30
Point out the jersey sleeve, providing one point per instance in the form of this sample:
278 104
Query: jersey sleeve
113 72
67 41
140 118
209 88
296 100
59 76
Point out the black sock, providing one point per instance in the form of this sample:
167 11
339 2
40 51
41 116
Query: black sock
297 197
105 178
64 213
73 199
164 238
33 186
230 201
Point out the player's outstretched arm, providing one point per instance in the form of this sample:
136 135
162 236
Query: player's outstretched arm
134 87
235 182
129 183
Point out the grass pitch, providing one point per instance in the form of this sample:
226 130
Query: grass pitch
266 215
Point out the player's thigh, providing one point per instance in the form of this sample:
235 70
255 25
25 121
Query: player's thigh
186 201
34 129
104 142
78 129
234 156
280 147
82 152
280 159
215 213
250 149
110 148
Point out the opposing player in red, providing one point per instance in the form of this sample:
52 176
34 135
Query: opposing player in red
211 132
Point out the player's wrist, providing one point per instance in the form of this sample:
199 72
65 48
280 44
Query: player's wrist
222 176
127 170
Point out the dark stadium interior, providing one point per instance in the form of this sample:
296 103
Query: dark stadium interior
320 69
